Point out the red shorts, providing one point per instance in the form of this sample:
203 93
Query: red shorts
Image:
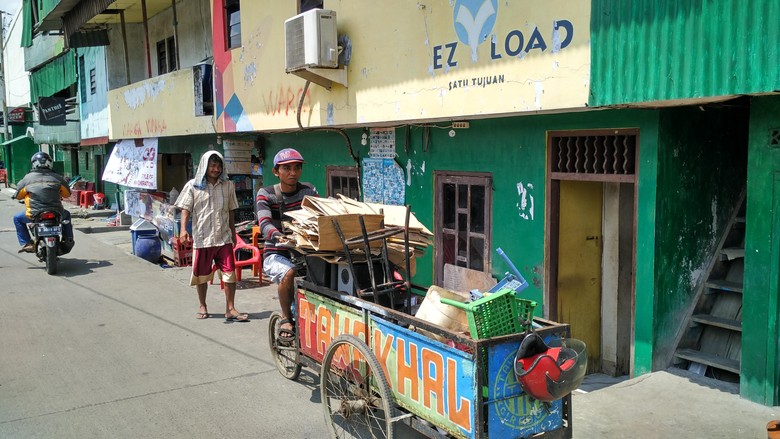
207 258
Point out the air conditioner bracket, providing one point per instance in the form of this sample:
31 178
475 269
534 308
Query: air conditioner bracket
323 77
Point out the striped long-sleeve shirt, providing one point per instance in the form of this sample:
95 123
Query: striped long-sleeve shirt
270 210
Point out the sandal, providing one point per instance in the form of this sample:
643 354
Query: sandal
285 335
237 317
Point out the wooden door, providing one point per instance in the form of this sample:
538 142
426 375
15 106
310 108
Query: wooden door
579 263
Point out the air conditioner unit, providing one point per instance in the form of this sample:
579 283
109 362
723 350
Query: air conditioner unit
311 41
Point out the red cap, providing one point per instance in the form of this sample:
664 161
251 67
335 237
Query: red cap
287 155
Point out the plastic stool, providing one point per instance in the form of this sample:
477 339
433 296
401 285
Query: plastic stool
85 198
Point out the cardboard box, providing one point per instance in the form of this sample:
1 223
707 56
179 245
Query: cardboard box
329 239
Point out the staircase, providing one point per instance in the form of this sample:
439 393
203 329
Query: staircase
712 342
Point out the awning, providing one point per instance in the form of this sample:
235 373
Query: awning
8 142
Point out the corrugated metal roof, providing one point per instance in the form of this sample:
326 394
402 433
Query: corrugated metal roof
657 50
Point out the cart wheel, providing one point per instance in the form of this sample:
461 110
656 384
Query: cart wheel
356 396
285 355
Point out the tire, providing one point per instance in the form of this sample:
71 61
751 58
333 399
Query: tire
51 259
286 357
357 402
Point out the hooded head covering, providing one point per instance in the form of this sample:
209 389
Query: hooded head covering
203 167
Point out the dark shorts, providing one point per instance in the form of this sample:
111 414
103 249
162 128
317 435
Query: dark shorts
205 260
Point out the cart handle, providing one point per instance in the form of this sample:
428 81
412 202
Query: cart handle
454 303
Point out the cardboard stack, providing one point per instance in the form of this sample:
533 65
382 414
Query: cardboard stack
314 232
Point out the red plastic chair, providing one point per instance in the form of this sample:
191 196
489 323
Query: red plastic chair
256 261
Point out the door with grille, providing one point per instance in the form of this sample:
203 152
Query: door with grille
590 228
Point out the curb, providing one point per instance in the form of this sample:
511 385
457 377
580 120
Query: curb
101 229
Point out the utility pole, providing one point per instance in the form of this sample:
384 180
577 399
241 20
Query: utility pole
2 75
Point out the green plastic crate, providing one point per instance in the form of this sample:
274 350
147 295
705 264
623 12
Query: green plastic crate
500 313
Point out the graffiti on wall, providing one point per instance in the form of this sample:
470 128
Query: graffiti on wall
153 127
284 100
525 202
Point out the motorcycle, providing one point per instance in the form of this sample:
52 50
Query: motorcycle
46 233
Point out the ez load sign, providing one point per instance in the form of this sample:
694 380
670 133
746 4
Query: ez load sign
474 22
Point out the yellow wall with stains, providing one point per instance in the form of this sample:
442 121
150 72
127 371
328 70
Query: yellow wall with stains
157 107
399 66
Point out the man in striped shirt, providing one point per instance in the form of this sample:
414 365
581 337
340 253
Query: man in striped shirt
210 198
272 202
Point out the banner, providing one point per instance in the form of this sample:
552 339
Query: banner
51 111
133 166
154 209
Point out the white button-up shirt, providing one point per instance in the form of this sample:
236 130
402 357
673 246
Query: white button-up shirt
210 210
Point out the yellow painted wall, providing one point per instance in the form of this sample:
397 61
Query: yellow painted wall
157 107
396 47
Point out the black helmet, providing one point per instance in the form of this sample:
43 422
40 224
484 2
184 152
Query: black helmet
41 160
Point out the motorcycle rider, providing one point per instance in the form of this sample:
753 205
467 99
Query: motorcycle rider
42 189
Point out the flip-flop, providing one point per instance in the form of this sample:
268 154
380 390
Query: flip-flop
239 317
202 315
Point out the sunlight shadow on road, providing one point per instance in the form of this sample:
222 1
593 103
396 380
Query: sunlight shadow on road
70 267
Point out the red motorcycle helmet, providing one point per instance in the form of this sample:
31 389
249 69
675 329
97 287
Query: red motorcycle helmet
550 371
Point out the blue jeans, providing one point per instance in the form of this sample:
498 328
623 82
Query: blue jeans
23 235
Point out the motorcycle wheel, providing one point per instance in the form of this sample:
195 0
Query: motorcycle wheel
51 260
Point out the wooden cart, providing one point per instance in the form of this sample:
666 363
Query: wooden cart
376 371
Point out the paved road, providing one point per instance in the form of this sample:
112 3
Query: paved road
110 348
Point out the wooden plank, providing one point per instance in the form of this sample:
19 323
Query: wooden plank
724 285
720 322
709 360
463 279
728 254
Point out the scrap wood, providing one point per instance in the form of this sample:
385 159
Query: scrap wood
314 230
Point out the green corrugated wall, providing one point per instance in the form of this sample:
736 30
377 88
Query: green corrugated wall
654 50
760 310
702 166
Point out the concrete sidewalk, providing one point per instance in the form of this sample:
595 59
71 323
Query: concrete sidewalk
666 404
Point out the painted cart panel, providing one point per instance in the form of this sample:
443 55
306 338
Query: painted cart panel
432 380
511 412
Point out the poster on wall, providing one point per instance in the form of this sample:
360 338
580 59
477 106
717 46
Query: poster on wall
238 156
382 143
383 182
133 166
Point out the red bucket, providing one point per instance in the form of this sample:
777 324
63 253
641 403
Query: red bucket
99 199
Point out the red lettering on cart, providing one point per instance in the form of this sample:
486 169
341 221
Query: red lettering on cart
323 329
438 375
381 351
407 371
358 329
307 322
458 411
434 382
433 379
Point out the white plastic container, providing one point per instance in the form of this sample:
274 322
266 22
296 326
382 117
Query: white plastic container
433 311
